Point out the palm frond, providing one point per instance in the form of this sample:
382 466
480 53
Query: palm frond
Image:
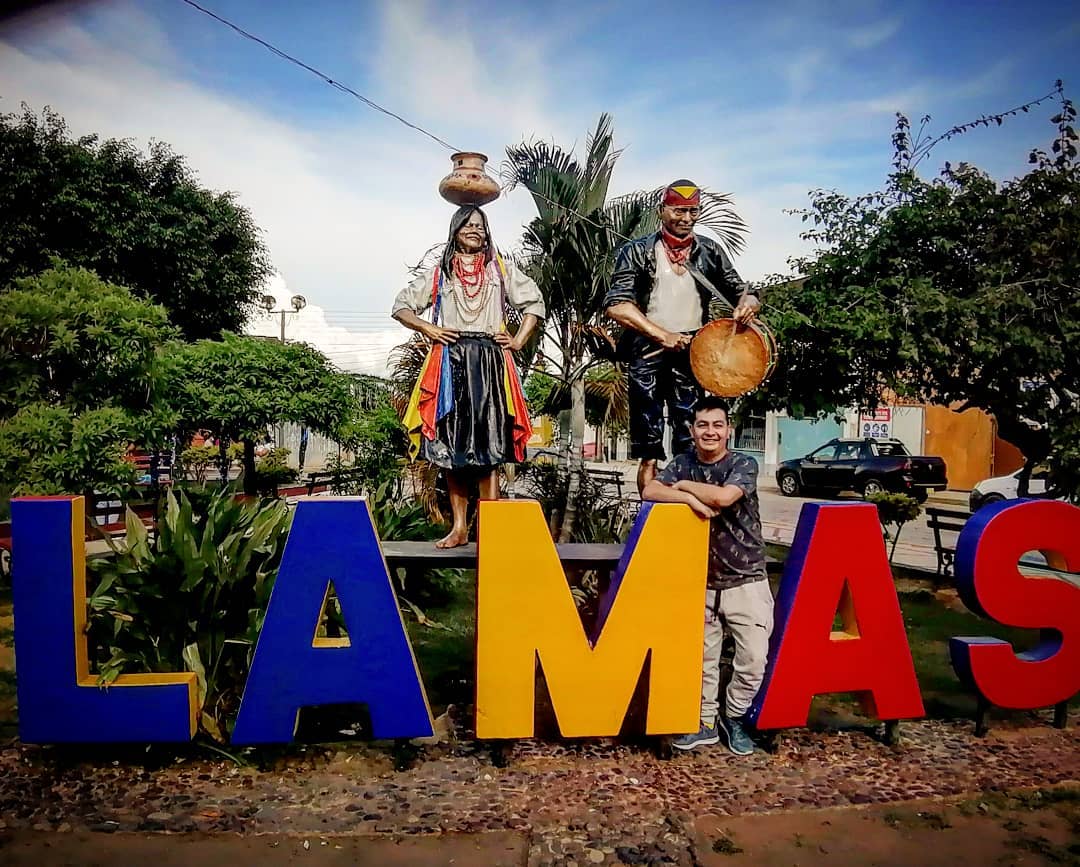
428 261
607 384
406 361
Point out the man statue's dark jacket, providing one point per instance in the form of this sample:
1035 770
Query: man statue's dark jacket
635 274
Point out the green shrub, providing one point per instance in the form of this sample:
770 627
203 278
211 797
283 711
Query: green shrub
192 598
273 471
196 462
894 510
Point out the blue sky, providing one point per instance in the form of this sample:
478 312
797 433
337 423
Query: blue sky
762 100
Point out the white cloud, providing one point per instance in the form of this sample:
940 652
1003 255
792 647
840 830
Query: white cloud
362 348
873 35
348 203
343 228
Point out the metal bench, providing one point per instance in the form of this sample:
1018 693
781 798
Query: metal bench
945 521
610 483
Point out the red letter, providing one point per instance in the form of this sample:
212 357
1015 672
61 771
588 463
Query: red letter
837 561
991 584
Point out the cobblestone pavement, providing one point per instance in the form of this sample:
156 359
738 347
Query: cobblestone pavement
588 802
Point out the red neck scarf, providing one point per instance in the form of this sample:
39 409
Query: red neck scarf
677 249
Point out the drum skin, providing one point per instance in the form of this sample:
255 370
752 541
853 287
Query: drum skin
731 360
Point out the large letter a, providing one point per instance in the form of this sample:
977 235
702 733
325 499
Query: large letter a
656 605
837 561
332 540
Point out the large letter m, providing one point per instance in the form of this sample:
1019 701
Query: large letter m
653 610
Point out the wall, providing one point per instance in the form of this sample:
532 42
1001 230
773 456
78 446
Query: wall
1007 457
319 448
964 440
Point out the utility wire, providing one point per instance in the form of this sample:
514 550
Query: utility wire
374 105
336 84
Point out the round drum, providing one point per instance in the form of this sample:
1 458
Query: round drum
731 360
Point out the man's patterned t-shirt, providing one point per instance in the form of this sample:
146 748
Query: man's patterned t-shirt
736 550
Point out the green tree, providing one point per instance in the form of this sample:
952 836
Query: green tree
79 382
570 251
958 289
142 221
238 387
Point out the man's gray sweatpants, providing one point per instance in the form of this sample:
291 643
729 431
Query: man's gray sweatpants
747 612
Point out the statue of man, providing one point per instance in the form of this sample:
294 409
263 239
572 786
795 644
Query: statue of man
660 292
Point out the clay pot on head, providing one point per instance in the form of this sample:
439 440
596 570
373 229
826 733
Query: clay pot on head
468 184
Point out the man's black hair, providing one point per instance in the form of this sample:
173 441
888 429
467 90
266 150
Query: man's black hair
711 401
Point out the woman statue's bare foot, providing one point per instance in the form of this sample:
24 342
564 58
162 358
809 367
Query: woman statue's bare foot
453 539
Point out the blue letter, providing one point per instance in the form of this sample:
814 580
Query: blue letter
332 540
59 700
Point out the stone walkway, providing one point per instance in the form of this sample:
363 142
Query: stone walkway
574 802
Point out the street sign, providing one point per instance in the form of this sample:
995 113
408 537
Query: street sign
877 424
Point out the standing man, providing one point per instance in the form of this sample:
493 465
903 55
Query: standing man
660 292
721 485
467 413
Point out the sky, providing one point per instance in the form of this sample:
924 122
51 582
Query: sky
765 101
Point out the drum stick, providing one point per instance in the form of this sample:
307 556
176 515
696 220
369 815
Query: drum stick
656 352
742 297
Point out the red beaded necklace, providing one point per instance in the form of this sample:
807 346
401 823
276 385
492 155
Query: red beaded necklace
470 275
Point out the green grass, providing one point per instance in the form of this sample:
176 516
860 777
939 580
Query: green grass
930 624
447 656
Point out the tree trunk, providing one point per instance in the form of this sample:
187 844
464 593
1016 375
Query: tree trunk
251 487
576 465
1024 478
223 460
564 433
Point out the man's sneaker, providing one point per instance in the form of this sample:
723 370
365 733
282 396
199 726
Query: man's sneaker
701 738
738 740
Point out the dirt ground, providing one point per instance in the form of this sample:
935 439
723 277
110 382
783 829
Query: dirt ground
1042 829
166 850
994 830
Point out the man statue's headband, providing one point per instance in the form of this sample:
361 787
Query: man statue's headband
682 194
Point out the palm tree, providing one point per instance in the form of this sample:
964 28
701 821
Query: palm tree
569 249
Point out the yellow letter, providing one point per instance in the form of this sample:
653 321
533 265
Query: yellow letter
525 610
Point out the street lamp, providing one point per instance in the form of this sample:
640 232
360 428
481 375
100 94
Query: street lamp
298 302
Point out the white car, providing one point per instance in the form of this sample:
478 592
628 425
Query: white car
1005 488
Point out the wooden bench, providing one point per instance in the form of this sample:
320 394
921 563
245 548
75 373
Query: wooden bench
945 521
574 555
413 556
607 478
321 482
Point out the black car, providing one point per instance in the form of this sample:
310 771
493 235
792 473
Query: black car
863 465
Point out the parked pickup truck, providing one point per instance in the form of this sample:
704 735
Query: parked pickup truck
863 465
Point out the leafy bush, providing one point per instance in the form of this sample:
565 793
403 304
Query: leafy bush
273 471
192 598
79 381
600 518
379 445
894 510
196 462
